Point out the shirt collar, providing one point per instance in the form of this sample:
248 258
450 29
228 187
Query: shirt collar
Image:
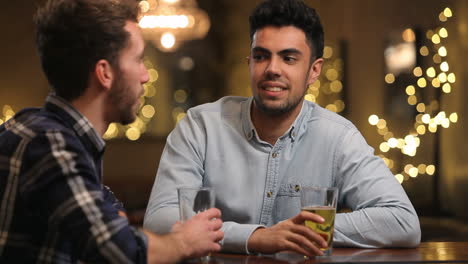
296 130
79 123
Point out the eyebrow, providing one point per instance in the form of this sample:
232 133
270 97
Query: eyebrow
282 52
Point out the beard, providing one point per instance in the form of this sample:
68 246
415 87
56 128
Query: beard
278 109
124 102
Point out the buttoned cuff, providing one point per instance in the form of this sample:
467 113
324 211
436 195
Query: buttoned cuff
236 237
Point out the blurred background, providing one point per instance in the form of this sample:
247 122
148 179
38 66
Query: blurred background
396 69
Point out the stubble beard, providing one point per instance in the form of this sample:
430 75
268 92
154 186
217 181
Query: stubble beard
123 102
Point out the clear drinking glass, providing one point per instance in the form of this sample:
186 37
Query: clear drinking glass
193 201
321 201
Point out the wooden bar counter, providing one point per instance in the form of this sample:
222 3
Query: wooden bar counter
428 252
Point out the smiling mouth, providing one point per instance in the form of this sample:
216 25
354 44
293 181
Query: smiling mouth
273 89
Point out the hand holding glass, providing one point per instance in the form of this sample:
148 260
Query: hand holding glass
321 201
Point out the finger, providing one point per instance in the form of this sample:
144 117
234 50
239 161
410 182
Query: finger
304 215
290 245
210 213
218 235
216 224
309 234
305 244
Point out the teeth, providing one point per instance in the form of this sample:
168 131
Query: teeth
273 89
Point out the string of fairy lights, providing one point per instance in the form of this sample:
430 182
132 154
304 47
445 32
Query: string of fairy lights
429 116
327 91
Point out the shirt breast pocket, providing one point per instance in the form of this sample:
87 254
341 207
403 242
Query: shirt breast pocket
288 202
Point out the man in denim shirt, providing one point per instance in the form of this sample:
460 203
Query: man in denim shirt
54 207
258 152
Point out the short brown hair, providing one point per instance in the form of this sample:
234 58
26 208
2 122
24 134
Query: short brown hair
73 35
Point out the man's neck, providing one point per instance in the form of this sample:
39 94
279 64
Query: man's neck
271 127
92 107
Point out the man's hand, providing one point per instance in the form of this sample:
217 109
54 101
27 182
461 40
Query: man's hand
200 234
195 238
289 235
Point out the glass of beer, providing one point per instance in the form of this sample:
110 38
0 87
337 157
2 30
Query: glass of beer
321 201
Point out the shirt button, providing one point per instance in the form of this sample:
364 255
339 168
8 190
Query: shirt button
274 155
294 134
297 188
269 194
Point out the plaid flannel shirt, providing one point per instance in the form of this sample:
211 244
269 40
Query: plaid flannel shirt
54 207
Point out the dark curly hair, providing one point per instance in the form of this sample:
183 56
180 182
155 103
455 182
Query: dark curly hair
290 13
73 35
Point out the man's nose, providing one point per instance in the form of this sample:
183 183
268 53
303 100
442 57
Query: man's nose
273 67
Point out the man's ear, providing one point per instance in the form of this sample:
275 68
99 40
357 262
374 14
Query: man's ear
104 74
314 71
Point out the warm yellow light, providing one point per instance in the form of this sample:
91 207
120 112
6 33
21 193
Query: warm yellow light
442 17
431 72
421 107
382 131
331 74
429 34
435 39
340 105
417 71
443 33
447 88
180 96
448 12
407 168
422 82
413 172
436 58
332 107
399 178
453 117
168 40
444 66
172 22
336 86
327 52
432 128
315 86
153 75
392 142
412 100
133 133
424 51
389 78
410 90
148 111
435 82
144 6
310 97
442 51
426 118
408 35
430 169
381 123
384 147
401 143
451 78
422 168
445 123
421 129
180 116
150 91
442 77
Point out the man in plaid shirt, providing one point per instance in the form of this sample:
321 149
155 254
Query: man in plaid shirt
53 207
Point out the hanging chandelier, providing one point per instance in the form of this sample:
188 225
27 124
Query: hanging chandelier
168 23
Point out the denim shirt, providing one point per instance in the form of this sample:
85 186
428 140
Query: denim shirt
258 184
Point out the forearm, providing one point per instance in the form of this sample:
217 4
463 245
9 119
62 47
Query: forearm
160 221
377 227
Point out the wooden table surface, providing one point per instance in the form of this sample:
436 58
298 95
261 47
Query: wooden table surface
429 252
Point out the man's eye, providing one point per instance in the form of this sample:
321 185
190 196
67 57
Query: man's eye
258 57
289 59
